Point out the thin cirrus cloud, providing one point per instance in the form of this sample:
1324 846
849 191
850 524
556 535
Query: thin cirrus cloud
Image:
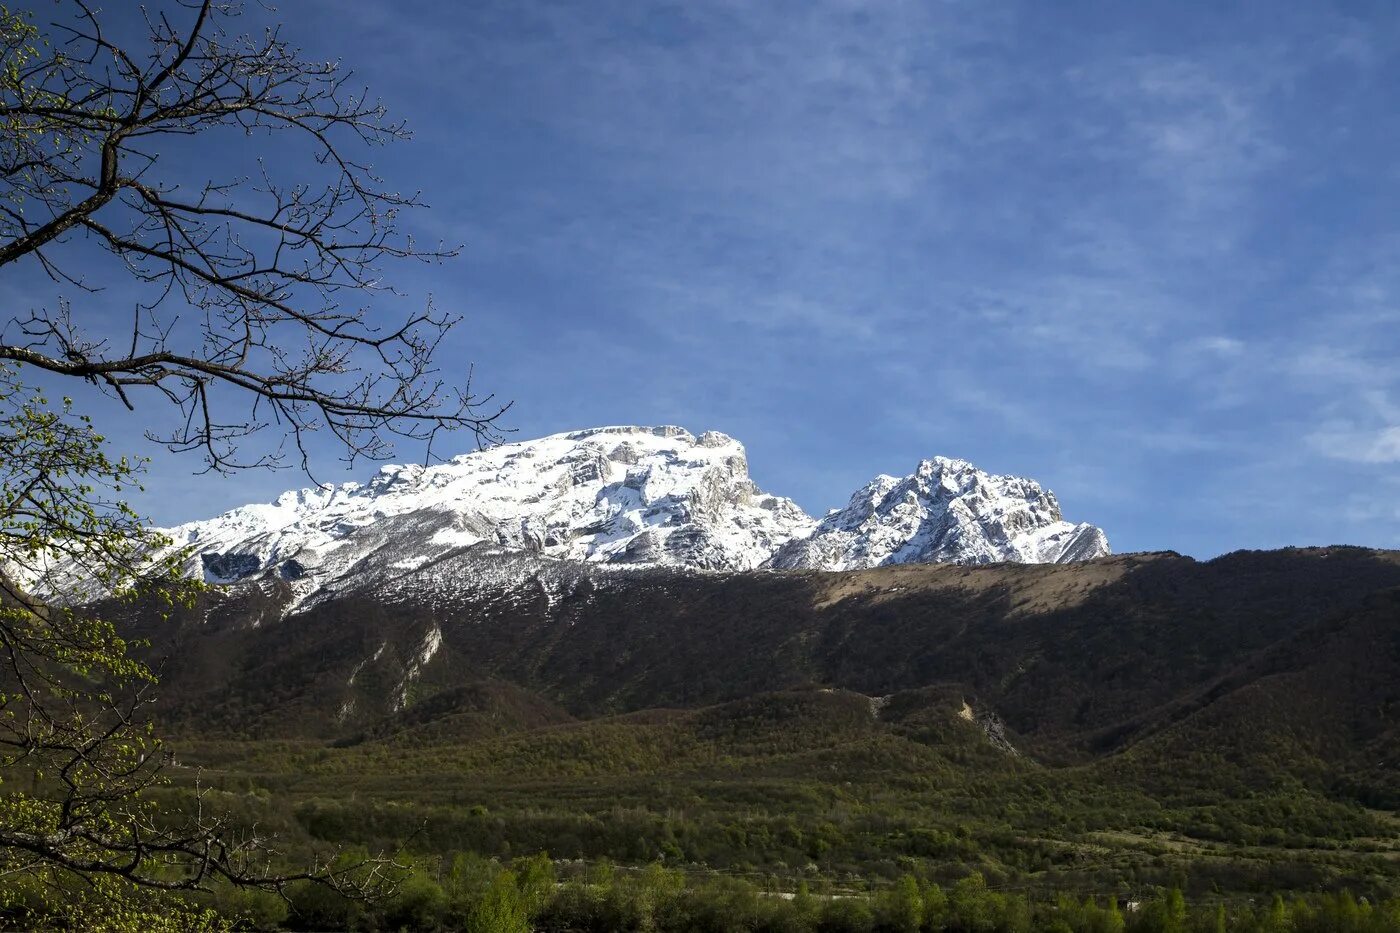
1138 252
1375 446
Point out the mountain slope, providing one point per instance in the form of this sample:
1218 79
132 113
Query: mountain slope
1076 660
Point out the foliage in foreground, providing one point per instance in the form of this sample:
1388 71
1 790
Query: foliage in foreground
76 754
478 895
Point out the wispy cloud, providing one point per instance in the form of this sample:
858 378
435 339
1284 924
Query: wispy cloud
1148 256
1191 122
1380 445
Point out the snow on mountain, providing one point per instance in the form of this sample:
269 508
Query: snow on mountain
630 496
656 496
946 511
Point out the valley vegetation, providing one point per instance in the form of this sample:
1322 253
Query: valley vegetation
1240 751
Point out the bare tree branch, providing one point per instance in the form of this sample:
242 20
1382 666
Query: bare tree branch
256 288
261 306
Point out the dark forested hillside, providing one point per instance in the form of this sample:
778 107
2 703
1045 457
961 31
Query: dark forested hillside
1078 660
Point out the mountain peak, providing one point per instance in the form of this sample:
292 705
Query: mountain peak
631 495
946 511
618 494
663 431
945 464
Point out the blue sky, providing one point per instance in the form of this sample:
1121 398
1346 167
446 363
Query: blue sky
1146 253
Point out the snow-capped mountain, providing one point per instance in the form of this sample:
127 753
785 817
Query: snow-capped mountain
946 511
624 495
628 495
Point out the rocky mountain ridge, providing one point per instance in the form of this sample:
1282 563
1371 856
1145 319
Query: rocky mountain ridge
946 511
657 496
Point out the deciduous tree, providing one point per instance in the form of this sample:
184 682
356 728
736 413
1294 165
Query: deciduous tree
258 315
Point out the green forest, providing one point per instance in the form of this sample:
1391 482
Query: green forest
790 811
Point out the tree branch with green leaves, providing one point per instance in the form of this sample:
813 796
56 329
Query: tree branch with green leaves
260 310
78 752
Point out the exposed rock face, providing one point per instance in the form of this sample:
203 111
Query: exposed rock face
947 511
630 496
